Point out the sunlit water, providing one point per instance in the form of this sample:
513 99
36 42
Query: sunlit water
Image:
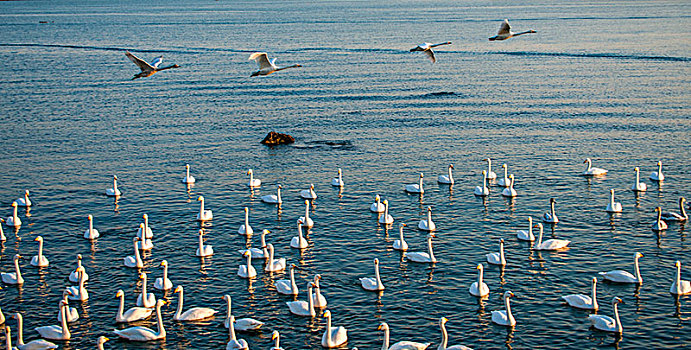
606 81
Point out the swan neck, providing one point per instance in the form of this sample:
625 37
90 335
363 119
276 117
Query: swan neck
278 194
509 315
638 271
539 240
682 210
231 329
429 248
293 285
618 326
40 251
593 295
159 322
307 212
63 322
249 262
201 209
228 307
328 324
165 275
310 302
479 280
115 185
551 205
178 311
385 345
611 198
444 337
677 280
638 177
376 275
502 259
121 307
484 180
17 270
91 226
14 214
20 330
400 235
137 258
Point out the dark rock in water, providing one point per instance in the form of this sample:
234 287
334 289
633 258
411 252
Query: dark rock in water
274 138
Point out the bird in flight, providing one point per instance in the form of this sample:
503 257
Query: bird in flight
505 32
267 66
148 69
427 49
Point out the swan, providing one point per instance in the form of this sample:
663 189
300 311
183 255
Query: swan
72 314
193 314
483 290
74 275
188 179
99 343
659 225
679 286
274 265
318 299
146 232
24 201
204 215
306 220
333 336
620 276
253 182
13 277
672 216
132 314
256 252
234 343
276 337
497 258
551 216
14 220
400 243
247 271
242 324
377 206
267 66
143 243
416 188
308 193
606 323
657 176
204 249
401 345
504 181
591 171
134 261
39 260
163 283
638 186
422 257
372 284
91 232
56 332
299 242
509 191
612 206
505 32
288 287
550 244
385 218
301 307
427 225
114 192
504 317
491 175
338 180
273 198
32 345
147 69
482 191
143 333
79 292
445 337
581 301
448 178
426 48
145 299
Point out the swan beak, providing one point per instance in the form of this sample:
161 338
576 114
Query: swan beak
512 295
274 336
677 264
38 238
178 289
379 328
444 319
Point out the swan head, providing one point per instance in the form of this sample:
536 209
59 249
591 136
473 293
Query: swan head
339 170
90 217
443 320
552 200
403 225
587 160
307 202
635 169
265 232
201 198
530 219
376 261
508 294
178 289
249 171
274 335
503 165
226 297
327 314
161 302
136 239
187 166
38 239
611 191
617 300
142 275
247 209
386 202
311 186
594 280
280 187
479 267
429 208
682 199
102 340
451 166
164 263
145 216
120 293
377 198
484 173
319 277
422 175
17 257
79 257
27 191
430 236
658 209
501 241
637 255
141 226
14 204
115 177
201 231
677 264
246 253
383 326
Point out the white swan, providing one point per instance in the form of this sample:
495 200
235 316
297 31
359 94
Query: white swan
606 323
79 292
134 261
145 299
638 186
428 224
416 188
13 277
400 243
114 192
60 332
306 220
204 215
385 218
426 48
657 176
276 337
91 232
448 178
338 180
550 244
14 220
247 271
273 198
333 336
299 242
100 341
377 206
24 201
592 171
147 69
188 179
659 225
308 193
612 206
143 243
401 345
253 182
445 337
504 181
318 299
672 216
479 288
39 260
163 283
257 252
423 257
679 286
482 191
510 191
301 307
74 275
144 333
526 235
504 317
241 324
620 276
204 249
497 258
274 265
132 314
505 32
234 343
72 314
373 284
146 232
288 286
193 314
550 217
34 344
581 301
491 175
267 66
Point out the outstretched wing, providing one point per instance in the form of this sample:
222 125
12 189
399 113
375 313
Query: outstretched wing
430 55
261 59
505 28
145 67
157 61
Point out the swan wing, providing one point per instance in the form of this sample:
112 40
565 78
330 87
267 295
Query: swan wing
197 313
499 317
430 54
38 344
618 276
505 28
409 345
136 314
602 322
136 333
262 60
157 61
418 256
299 307
246 324
50 332
578 300
145 67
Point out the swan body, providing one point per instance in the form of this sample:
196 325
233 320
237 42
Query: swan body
132 314
301 307
445 337
308 193
497 258
550 217
524 235
479 288
306 220
79 292
338 180
423 257
39 260
659 225
60 332
14 220
37 344
448 178
426 48
273 198
400 243
253 182
386 218
416 188
672 216
377 206
679 286
193 314
299 242
620 276
592 171
204 249
163 283
584 302
509 191
658 176
234 343
143 333
482 191
188 179
267 66
147 69
401 345
72 314
247 271
91 232
145 232
74 275
317 298
145 299
428 224
13 277
288 287
241 324
612 206
134 261
24 201
638 186
274 265
606 323
550 244
373 284
204 214
114 192
333 336
504 181
505 32
491 175
504 317
143 243
256 252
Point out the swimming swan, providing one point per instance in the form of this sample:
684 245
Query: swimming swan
247 271
509 191
659 225
427 225
551 216
479 288
672 216
306 220
620 276
79 292
377 206
39 260
448 178
550 244
372 284
505 317
74 275
423 257
188 179
591 171
267 67
491 175
679 286
416 188
638 186
338 180
241 324
505 32
274 265
132 314
114 192
143 333
234 343
204 249
13 277
56 332
445 337
193 314
288 287
163 283
299 242
497 258
34 344
72 314
256 252
301 307
581 301
401 345
145 299
245 229
24 201
526 235
308 193
482 191
318 299
253 182
385 218
273 198
612 206
14 220
504 181
333 336
658 176
134 261
606 323
400 243
91 232
204 215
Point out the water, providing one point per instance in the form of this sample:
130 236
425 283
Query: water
606 81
